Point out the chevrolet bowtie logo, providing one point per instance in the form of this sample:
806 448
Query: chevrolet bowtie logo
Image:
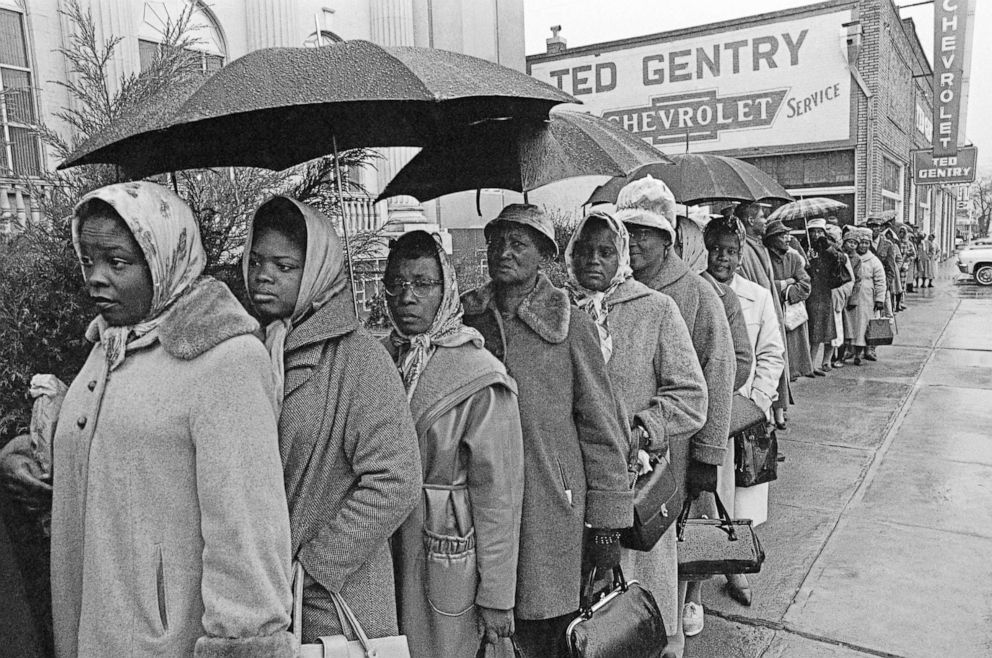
700 115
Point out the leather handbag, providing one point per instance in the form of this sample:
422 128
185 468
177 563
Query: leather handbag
795 314
708 547
339 646
657 502
622 622
755 444
486 649
879 332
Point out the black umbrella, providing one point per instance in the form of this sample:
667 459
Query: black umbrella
278 107
698 178
522 155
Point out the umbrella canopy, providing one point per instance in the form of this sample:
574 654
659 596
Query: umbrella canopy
522 156
804 209
277 107
698 178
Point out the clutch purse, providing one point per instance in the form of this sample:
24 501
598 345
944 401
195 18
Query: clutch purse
339 646
708 547
755 444
879 332
621 622
657 502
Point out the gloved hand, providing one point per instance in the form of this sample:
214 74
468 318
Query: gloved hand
603 549
21 476
879 306
700 477
494 624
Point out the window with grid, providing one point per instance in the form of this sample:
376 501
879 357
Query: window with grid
202 27
20 151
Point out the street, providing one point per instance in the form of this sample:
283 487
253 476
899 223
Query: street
880 525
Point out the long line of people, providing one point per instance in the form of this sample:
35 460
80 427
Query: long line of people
452 483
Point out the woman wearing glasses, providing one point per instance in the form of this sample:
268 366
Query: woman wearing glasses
349 451
456 556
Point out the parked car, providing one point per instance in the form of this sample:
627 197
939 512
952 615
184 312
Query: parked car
977 262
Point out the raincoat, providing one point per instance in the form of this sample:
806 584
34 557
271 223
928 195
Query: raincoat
790 266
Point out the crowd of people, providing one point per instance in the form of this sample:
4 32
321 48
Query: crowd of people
453 482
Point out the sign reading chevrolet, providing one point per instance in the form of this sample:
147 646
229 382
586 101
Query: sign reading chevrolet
760 82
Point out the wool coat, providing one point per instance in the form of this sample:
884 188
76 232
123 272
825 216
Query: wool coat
743 352
926 254
840 295
575 436
891 258
657 378
825 270
851 305
351 465
170 531
458 549
790 265
710 332
871 288
756 266
909 258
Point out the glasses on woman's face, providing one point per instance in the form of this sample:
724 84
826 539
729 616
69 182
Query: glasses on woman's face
640 234
420 288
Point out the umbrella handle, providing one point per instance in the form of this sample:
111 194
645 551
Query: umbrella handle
478 201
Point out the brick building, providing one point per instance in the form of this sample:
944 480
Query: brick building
829 98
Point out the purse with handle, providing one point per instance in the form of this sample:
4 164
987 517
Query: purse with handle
880 332
708 547
339 646
755 444
657 502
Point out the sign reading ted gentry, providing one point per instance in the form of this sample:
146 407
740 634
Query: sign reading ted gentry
773 83
931 169
949 27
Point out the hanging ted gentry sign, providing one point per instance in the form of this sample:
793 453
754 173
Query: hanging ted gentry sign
929 169
774 82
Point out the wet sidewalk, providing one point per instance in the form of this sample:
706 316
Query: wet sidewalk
880 526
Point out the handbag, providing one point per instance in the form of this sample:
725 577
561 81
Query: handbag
795 314
657 501
622 622
879 332
485 647
339 646
708 547
755 444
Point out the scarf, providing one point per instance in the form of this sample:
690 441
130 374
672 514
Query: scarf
167 233
324 276
446 330
593 302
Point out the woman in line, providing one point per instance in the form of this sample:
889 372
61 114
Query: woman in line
170 535
456 556
849 245
349 451
841 295
655 375
926 256
793 285
725 240
576 440
870 294
909 256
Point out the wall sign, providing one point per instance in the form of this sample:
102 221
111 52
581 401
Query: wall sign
950 22
931 169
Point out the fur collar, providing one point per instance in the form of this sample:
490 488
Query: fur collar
546 310
203 318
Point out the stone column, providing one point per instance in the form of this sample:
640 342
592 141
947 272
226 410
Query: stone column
392 25
272 23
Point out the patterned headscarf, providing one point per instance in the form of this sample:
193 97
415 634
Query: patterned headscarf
324 276
593 302
166 231
446 330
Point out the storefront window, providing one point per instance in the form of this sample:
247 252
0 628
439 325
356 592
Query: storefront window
892 186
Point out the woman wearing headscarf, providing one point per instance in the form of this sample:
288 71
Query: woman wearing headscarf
840 295
349 451
870 294
655 375
170 535
576 440
793 285
456 555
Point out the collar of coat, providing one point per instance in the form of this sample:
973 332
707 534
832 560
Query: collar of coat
671 271
332 320
628 291
202 319
545 309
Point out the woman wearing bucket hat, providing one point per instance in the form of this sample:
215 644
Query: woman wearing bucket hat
647 208
575 434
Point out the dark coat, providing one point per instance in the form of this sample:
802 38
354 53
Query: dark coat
790 266
743 352
575 439
352 467
891 258
826 271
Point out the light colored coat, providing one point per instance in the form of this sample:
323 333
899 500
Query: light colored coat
352 467
871 288
790 265
575 439
756 267
169 519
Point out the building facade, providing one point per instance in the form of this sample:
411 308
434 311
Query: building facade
831 99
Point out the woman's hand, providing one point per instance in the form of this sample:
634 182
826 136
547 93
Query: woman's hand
494 624
763 401
22 478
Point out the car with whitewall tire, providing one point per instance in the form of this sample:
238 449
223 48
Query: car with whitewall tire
977 262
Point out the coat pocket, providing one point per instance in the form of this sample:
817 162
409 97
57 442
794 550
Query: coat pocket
451 577
564 482
160 589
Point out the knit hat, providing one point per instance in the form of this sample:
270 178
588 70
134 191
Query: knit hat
528 215
775 227
647 202
834 233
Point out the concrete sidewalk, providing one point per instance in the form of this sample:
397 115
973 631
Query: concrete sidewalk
879 538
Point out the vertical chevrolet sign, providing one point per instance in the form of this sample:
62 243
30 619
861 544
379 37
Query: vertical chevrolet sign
950 27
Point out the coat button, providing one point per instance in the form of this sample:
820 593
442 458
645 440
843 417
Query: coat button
91 385
81 421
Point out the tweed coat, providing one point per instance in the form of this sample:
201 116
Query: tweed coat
351 464
756 266
575 435
790 266
743 352
710 332
657 378
458 549
870 289
169 522
891 258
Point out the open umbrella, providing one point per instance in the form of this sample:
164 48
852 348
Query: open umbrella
804 209
522 156
278 107
698 178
